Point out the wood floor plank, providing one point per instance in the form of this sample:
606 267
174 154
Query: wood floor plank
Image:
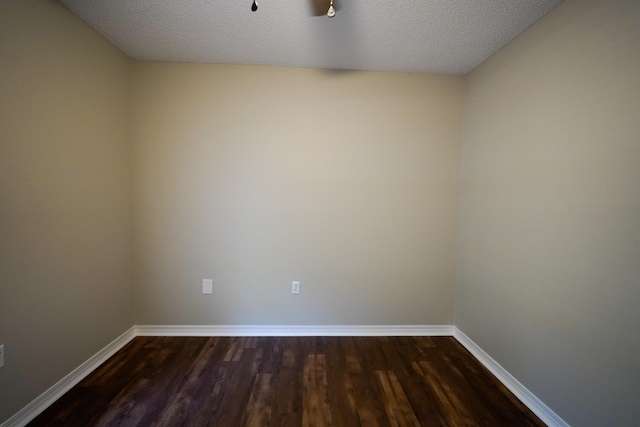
235 350
399 411
180 407
339 384
454 410
272 359
315 408
259 408
366 390
232 407
126 407
290 382
288 399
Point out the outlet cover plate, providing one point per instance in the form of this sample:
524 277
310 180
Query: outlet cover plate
295 288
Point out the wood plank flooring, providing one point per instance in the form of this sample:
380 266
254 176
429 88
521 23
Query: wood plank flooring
289 381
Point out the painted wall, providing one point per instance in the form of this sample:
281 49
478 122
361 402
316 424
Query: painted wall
346 181
65 196
258 176
549 238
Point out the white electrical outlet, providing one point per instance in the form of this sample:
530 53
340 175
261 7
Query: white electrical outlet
207 286
295 288
1 355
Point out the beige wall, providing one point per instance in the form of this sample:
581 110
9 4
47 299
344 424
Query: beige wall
549 240
64 196
257 176
348 182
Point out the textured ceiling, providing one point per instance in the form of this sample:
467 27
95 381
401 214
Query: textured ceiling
431 36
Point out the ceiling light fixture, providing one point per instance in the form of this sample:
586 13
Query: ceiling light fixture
332 12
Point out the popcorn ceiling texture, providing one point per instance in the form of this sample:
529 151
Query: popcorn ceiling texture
429 36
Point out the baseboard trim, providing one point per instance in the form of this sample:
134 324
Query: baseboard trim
42 402
288 330
541 410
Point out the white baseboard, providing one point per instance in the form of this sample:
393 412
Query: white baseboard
42 402
286 330
536 406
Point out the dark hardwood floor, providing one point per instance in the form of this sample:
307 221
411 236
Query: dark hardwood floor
290 381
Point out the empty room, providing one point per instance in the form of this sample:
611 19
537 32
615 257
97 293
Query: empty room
316 212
